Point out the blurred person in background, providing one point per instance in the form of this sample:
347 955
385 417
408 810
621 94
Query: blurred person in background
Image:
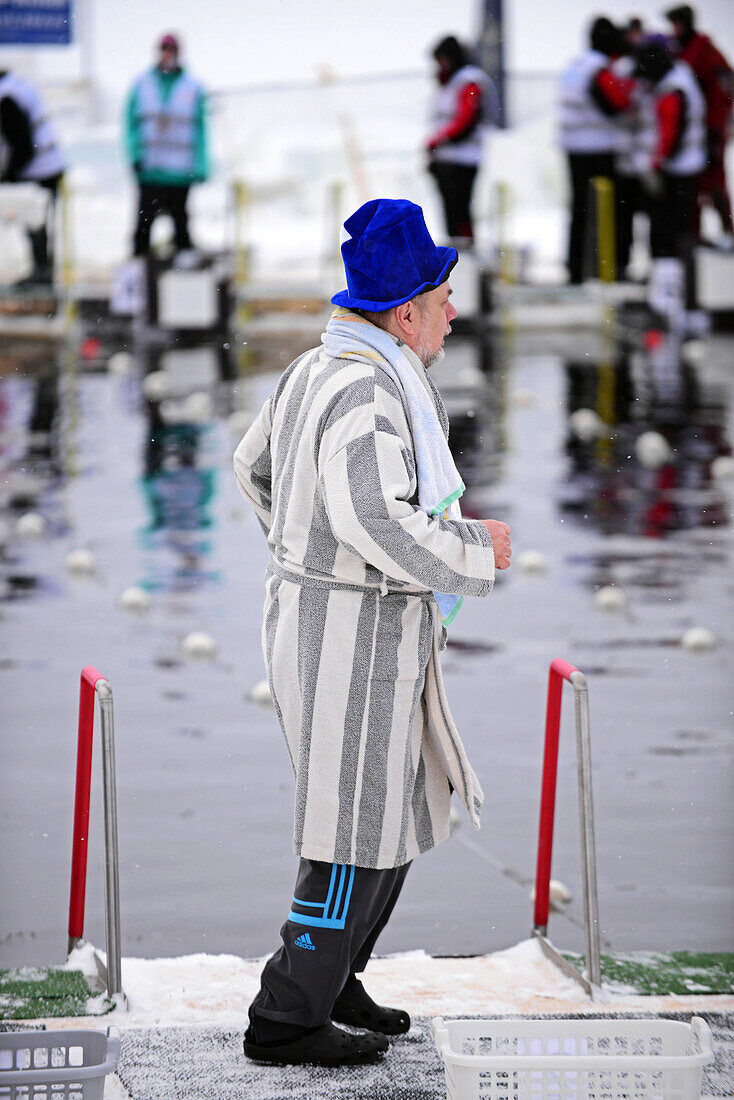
678 158
714 75
166 137
637 142
29 152
592 100
463 106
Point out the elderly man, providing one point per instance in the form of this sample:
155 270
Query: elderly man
349 473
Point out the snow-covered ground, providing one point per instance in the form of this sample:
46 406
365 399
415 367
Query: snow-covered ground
217 989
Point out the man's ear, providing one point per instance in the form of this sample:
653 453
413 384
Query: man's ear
405 317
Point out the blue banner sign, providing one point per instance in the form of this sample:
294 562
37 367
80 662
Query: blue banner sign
35 22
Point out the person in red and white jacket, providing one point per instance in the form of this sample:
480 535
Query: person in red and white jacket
716 80
678 158
462 108
592 99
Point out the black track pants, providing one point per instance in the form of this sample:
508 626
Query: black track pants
154 200
455 184
582 248
338 911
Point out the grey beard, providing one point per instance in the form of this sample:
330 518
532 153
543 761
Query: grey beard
429 360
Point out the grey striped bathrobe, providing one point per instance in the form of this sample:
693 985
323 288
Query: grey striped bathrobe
351 633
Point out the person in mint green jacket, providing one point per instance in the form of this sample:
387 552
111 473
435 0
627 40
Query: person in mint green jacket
166 142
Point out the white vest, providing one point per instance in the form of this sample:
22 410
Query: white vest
167 128
443 110
583 127
47 160
690 156
638 127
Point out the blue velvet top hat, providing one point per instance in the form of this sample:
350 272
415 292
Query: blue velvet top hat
390 256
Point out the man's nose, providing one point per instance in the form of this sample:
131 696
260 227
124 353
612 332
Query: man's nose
451 312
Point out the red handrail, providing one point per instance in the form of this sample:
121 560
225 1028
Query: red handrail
560 670
80 838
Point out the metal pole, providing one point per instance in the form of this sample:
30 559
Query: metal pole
80 840
547 803
112 892
586 815
605 229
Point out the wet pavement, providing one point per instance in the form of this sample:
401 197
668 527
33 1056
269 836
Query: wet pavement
130 459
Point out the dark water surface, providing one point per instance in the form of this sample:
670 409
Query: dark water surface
204 789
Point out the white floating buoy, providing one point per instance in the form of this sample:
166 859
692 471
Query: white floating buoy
198 407
693 351
531 561
31 525
135 600
157 385
610 598
121 362
558 892
238 422
586 424
260 692
171 412
722 468
81 562
698 639
652 449
199 646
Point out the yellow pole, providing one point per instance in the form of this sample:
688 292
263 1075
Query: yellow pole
243 272
67 259
605 229
507 268
507 271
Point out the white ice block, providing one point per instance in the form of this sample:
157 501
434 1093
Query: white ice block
715 271
187 299
464 281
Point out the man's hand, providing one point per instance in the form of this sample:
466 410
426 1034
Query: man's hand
500 536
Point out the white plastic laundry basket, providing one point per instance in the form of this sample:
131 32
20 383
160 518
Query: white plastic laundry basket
56 1065
597 1059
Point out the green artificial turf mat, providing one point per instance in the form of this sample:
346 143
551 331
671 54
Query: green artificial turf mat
30 993
658 973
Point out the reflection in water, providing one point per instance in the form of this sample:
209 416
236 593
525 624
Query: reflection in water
634 392
470 381
31 471
179 479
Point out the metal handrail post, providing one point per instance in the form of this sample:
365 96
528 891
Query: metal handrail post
94 683
548 803
80 841
112 882
586 820
561 670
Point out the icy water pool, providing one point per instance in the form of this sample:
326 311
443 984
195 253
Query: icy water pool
138 473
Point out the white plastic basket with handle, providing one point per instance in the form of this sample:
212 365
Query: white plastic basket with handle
596 1059
56 1065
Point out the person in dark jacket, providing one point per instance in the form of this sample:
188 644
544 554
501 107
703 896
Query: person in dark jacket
677 161
29 152
463 106
592 99
166 143
716 79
